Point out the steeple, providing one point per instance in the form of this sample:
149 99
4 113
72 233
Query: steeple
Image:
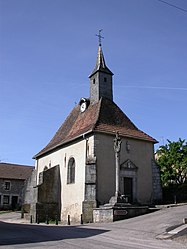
100 78
100 63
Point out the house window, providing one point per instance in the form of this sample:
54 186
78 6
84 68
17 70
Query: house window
7 186
71 171
6 199
105 79
93 81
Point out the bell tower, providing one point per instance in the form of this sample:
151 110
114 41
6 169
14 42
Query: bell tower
100 78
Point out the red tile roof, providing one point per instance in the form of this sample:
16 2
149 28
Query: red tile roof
15 171
104 116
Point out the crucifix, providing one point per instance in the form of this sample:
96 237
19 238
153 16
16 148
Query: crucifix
99 35
117 148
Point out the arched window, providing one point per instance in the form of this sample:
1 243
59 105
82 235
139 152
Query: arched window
71 171
45 168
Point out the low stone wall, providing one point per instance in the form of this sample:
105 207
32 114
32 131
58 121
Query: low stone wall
114 213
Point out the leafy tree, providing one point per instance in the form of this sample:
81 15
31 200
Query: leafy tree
172 159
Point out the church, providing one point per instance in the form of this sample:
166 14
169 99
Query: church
75 172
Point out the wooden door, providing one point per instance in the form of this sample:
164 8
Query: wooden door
128 188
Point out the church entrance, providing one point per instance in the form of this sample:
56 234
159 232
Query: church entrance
128 188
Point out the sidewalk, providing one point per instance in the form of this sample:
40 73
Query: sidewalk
13 217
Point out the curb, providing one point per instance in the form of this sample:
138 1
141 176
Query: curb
172 232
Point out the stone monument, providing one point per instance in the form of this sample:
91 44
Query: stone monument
117 148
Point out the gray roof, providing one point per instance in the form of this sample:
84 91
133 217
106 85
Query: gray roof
100 63
15 171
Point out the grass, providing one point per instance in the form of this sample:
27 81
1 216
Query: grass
5 212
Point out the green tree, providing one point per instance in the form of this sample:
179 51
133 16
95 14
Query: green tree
172 160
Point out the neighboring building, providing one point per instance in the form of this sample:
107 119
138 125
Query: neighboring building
75 172
12 181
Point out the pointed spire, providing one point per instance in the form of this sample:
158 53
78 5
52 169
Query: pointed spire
100 78
100 63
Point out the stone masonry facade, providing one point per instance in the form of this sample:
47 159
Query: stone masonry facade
11 193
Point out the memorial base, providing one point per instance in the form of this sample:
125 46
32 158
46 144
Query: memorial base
117 212
118 208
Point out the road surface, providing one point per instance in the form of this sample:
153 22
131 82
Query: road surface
143 232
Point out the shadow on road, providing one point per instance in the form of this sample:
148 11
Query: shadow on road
11 234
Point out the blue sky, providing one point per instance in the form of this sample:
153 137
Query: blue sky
48 48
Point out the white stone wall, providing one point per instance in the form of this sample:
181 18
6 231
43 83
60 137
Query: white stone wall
72 195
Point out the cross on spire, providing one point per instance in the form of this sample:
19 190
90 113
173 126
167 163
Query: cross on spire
99 35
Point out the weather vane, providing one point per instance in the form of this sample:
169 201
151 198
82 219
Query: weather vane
100 37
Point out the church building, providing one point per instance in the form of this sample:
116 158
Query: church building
75 172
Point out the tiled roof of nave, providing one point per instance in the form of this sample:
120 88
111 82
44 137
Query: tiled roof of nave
104 116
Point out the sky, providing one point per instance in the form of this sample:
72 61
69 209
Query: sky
48 48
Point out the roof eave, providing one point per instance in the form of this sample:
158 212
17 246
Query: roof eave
104 70
151 140
37 156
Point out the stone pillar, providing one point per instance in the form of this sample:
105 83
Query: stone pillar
117 148
90 190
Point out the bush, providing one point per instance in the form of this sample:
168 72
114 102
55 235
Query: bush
175 193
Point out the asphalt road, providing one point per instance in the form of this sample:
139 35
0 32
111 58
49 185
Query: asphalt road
141 232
